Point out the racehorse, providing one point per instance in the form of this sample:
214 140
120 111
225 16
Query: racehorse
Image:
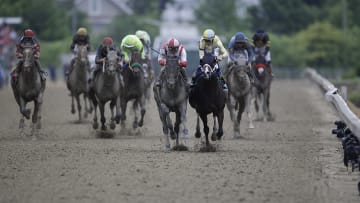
29 87
172 97
206 97
239 86
77 80
133 89
262 87
107 85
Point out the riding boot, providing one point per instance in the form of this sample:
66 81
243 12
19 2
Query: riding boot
146 75
225 88
69 70
158 81
15 72
42 73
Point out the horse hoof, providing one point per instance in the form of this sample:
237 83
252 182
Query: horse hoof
38 126
95 126
21 124
197 134
117 119
73 111
135 125
27 113
172 135
103 128
112 126
213 137
141 123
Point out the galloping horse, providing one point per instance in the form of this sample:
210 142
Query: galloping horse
208 97
262 86
77 81
172 97
133 89
239 91
107 88
29 87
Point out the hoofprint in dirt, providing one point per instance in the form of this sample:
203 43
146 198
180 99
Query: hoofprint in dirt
293 159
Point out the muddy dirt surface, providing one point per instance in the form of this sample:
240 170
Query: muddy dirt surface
292 159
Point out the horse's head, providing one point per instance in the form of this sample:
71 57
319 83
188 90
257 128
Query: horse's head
260 64
240 70
135 63
172 70
82 53
111 62
28 53
208 63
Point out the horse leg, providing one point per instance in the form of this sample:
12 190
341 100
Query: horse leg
95 123
77 97
238 118
183 129
72 104
135 108
123 104
142 111
267 104
86 106
163 117
230 104
215 129
220 119
102 115
117 108
205 129
112 122
197 132
248 111
24 111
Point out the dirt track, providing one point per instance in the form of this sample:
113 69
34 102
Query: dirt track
293 159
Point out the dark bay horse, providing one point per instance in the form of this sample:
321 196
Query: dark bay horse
208 97
262 87
133 90
172 97
29 87
239 91
107 88
77 81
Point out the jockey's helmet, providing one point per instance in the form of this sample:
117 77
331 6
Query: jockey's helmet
240 40
142 35
29 33
107 41
82 31
208 34
261 35
173 45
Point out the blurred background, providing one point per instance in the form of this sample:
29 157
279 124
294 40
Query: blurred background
322 34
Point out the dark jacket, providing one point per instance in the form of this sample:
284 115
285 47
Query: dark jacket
80 40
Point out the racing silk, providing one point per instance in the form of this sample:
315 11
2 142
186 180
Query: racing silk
24 41
216 43
129 44
145 39
265 51
102 53
80 40
181 53
234 52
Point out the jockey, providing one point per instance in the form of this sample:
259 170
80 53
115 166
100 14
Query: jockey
80 38
28 38
172 47
101 53
237 43
210 43
129 44
261 45
146 41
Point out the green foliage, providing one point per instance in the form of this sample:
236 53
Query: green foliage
124 25
287 17
43 16
219 16
51 51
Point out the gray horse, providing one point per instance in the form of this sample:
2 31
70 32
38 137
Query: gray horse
172 97
77 81
107 85
239 86
262 87
133 89
29 87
